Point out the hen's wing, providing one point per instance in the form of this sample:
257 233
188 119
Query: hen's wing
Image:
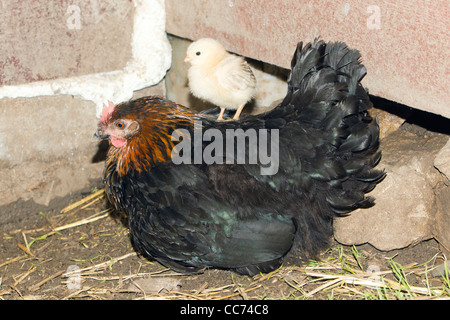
233 73
177 217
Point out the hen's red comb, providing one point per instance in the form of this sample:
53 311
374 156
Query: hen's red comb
107 110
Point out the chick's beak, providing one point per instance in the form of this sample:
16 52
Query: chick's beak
188 58
100 134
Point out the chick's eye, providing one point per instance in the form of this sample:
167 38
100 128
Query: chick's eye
198 53
120 125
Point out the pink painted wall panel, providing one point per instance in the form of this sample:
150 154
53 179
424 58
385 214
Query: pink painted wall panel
404 44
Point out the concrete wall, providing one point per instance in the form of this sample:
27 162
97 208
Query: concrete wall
145 46
43 40
403 43
60 60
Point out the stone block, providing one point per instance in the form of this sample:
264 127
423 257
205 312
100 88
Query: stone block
442 161
146 66
389 122
47 147
44 40
60 61
405 211
442 225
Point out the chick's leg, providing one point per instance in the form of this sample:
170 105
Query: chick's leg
238 112
220 118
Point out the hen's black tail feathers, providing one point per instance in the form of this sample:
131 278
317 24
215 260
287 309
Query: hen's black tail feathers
324 88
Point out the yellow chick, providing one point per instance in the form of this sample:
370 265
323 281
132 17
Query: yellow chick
219 77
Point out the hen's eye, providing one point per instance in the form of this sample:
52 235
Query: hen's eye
198 53
120 125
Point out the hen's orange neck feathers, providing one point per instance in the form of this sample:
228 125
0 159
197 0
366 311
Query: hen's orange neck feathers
152 143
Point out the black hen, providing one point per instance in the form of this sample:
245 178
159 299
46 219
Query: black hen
240 211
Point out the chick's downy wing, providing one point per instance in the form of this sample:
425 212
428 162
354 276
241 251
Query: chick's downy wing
234 73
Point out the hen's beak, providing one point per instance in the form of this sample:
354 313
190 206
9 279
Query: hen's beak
100 134
188 58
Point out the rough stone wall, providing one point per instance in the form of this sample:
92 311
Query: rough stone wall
47 147
412 202
44 40
59 62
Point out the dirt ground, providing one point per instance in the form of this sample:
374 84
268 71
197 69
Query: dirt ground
58 252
